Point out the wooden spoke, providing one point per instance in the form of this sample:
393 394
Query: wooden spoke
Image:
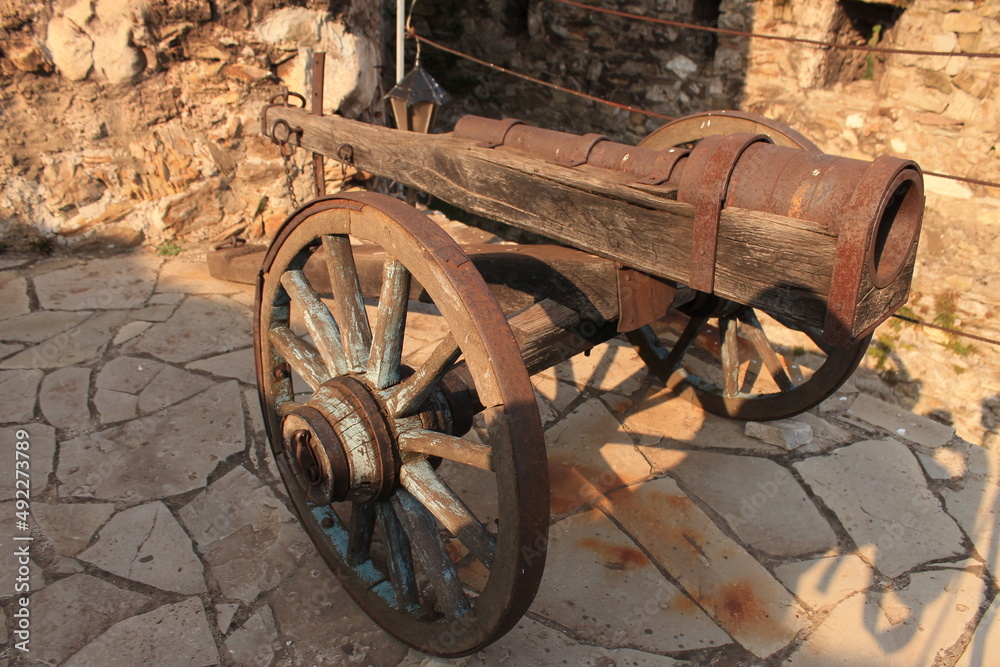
286 408
359 540
387 342
420 479
399 558
320 323
755 332
415 389
730 356
348 305
448 447
297 354
430 550
680 348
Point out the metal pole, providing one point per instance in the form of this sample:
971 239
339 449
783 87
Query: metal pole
400 34
319 70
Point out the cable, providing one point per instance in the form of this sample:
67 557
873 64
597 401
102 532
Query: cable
627 107
973 181
955 332
779 38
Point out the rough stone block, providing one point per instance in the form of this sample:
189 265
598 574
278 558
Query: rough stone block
786 433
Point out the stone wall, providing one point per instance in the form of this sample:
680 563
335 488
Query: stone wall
132 120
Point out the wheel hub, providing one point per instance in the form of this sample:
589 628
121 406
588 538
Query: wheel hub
340 445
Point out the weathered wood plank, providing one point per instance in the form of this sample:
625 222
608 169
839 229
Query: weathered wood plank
765 260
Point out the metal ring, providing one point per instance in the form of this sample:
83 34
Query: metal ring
285 143
282 98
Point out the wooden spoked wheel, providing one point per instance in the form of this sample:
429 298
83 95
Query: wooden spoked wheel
440 538
732 359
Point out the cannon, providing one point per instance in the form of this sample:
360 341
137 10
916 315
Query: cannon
747 268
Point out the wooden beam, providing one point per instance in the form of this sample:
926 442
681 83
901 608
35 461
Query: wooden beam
780 264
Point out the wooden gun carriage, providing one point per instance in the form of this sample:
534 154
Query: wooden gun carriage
708 245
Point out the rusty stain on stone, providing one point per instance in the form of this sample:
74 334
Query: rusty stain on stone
615 556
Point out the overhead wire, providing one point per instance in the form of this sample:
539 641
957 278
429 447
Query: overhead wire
421 39
780 38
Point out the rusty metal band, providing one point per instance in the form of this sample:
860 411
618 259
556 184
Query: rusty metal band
663 166
489 133
855 240
709 200
340 478
581 148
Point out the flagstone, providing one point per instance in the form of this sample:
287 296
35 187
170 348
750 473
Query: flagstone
589 454
900 422
975 505
7 349
74 611
558 394
13 296
157 313
613 366
879 493
11 263
71 526
943 463
120 282
146 544
171 385
607 592
165 298
128 374
78 345
531 643
114 406
130 331
236 500
13 525
760 500
174 634
927 616
722 578
63 398
41 325
311 602
41 439
256 641
224 614
187 277
201 326
161 455
18 394
824 582
246 535
238 365
985 640
661 414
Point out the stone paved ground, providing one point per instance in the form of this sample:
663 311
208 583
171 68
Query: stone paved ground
161 535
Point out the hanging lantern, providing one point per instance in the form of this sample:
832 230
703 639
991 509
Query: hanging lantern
415 101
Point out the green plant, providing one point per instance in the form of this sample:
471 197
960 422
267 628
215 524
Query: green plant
168 249
880 351
870 60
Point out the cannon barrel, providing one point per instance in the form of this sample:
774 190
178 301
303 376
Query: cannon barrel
825 241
